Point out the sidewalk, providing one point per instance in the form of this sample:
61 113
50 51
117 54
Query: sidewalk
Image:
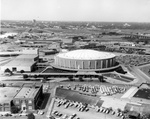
50 108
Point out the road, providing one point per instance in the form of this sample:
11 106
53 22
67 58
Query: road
141 76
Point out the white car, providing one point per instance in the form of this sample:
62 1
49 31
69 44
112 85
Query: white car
107 111
64 116
113 112
104 110
40 112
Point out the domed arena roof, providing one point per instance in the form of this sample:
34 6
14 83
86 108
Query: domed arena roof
86 54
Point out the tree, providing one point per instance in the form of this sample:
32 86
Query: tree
25 76
14 109
118 110
35 76
7 71
22 71
45 77
101 78
81 79
31 116
70 78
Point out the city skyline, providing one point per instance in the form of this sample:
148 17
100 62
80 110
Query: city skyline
76 10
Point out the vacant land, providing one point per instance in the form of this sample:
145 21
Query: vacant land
143 93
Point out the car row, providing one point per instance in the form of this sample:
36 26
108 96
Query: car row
6 114
84 108
110 111
67 103
111 90
14 115
106 90
58 115
103 109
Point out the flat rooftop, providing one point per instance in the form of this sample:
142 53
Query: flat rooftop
22 60
20 63
7 94
28 91
31 56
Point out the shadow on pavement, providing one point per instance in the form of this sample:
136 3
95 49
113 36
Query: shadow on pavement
44 102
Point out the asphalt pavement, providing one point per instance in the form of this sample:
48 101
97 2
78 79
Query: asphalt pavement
141 76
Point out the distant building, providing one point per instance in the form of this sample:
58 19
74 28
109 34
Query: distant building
54 45
49 52
19 52
7 34
30 51
22 62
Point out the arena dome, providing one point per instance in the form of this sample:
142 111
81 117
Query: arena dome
86 55
84 59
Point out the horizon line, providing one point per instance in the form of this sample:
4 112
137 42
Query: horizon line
79 21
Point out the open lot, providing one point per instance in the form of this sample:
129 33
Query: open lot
143 93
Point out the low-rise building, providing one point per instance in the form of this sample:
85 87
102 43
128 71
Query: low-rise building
22 62
25 98
28 97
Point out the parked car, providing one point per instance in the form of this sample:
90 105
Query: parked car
64 116
40 112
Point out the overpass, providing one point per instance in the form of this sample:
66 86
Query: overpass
45 76
78 74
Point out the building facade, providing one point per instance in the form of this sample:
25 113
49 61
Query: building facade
28 97
22 62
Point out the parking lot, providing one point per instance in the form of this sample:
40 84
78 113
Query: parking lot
50 89
68 112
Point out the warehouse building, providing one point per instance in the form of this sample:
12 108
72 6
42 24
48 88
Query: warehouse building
22 62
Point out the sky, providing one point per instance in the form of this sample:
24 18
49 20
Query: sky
76 10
